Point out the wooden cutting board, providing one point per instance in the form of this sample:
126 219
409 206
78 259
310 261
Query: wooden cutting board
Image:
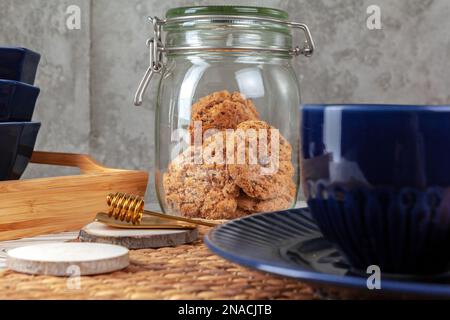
47 205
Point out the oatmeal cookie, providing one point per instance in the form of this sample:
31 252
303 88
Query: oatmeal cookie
249 176
242 213
282 202
222 110
199 190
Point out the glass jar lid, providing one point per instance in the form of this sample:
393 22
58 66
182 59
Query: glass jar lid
220 18
227 30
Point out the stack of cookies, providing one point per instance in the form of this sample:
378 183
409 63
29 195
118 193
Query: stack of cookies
217 188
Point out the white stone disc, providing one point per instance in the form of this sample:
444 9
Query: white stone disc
68 258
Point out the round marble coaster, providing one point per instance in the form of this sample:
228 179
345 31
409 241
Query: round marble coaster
68 258
137 238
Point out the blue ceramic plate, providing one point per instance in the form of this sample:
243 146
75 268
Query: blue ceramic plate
18 64
289 243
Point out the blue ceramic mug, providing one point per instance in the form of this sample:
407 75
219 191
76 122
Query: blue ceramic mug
377 181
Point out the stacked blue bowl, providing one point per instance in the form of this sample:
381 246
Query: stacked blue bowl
17 101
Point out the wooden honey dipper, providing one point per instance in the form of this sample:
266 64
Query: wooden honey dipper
130 209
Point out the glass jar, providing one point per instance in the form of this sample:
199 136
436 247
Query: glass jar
227 123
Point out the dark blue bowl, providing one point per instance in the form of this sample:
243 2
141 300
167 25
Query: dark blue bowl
377 179
17 141
18 64
17 101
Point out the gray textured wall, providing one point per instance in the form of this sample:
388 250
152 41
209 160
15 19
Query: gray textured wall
88 76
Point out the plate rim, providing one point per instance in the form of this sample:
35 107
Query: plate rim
387 285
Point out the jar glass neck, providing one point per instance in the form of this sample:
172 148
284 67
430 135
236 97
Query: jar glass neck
210 58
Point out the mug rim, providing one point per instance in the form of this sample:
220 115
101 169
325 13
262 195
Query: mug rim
361 107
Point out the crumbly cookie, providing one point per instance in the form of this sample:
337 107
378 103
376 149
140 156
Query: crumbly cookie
282 202
200 190
250 176
222 110
242 213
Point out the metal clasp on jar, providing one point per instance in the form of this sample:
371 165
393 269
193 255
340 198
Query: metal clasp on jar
157 48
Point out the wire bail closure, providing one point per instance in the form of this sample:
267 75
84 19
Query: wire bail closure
157 48
155 63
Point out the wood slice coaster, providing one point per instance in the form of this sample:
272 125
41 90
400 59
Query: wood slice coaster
68 259
137 238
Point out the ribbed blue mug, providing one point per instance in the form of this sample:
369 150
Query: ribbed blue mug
377 181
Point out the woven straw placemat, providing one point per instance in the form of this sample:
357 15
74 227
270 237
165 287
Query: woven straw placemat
182 272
